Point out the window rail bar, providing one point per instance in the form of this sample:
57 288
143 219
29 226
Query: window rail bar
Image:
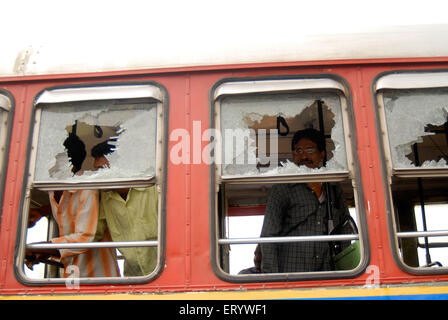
428 172
93 245
433 245
328 176
289 239
417 234
86 184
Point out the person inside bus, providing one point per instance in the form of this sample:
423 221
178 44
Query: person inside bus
300 209
36 214
32 258
131 215
257 263
76 213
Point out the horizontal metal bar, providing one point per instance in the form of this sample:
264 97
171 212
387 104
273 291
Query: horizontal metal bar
418 234
92 184
289 239
433 245
328 176
429 172
93 245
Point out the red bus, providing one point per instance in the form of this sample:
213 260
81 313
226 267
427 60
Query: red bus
211 140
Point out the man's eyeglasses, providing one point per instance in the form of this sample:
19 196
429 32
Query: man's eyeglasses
302 151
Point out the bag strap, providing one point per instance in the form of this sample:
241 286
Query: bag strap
329 193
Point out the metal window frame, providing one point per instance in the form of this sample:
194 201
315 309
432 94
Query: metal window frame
94 93
7 109
281 84
100 91
405 79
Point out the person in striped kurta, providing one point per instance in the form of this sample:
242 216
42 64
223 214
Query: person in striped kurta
76 214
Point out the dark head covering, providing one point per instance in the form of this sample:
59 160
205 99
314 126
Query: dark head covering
103 148
76 151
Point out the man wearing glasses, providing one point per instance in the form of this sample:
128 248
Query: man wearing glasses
300 209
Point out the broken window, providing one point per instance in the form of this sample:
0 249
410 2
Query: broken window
413 110
96 175
130 126
257 121
251 123
416 125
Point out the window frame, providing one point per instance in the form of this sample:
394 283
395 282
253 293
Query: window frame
7 104
404 79
279 84
98 91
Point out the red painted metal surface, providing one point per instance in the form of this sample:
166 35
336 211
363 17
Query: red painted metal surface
246 211
188 231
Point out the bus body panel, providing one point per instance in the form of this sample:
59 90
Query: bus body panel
187 257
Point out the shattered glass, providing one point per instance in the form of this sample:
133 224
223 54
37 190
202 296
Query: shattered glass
242 120
130 124
409 116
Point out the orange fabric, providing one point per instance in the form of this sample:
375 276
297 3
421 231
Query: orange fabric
77 218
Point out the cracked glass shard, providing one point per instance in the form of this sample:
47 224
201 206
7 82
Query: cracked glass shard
243 119
129 126
416 125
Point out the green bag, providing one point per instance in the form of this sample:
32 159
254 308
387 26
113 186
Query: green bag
348 258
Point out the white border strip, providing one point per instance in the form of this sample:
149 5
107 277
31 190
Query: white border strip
240 87
100 93
413 81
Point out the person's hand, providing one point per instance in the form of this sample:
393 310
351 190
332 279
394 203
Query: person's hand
32 258
35 256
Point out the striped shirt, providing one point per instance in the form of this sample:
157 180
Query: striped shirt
294 210
77 217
